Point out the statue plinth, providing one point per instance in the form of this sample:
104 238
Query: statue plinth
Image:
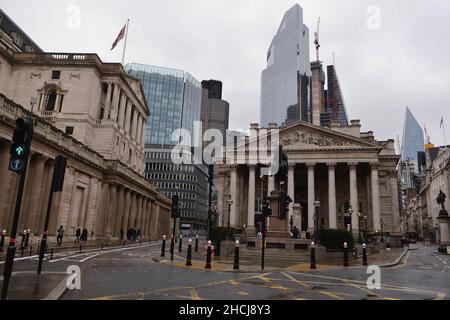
444 227
276 228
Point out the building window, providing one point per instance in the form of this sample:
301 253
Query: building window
69 130
56 74
51 100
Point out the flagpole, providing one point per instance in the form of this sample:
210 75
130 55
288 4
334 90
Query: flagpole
125 44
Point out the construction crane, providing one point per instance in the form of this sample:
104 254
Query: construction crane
428 144
316 39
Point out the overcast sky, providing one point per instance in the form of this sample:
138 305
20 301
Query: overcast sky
384 62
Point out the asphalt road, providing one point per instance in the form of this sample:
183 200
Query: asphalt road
132 273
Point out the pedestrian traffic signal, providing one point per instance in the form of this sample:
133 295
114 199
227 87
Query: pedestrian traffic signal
20 145
175 213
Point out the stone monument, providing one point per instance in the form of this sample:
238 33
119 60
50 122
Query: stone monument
444 223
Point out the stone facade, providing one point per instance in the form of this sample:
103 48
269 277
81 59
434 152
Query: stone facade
93 113
340 166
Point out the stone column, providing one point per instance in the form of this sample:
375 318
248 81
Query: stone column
34 207
311 196
291 189
394 200
126 210
132 217
140 212
332 219
41 102
233 193
115 102
375 186
354 196
134 124
123 104
128 109
251 200
108 101
112 208
270 185
120 212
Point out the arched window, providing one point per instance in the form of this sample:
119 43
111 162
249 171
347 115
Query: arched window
51 100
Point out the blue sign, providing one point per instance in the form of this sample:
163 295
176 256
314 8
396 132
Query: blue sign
16 164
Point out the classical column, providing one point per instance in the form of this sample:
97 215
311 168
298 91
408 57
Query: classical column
233 192
112 208
394 200
41 102
251 198
108 101
332 219
291 189
123 104
354 196
128 108
270 185
375 197
311 196
120 211
126 210
134 124
132 217
143 133
115 102
140 204
138 130
37 191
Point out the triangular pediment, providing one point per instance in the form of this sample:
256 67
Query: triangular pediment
305 136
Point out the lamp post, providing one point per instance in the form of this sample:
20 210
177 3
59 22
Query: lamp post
381 224
360 241
316 221
229 201
365 228
350 212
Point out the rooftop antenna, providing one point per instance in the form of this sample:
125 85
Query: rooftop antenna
316 39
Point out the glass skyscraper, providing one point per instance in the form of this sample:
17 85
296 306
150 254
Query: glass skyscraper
286 80
174 99
413 138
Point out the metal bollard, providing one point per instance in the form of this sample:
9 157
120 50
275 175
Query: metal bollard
196 243
102 246
22 249
345 255
189 253
364 255
208 256
124 241
81 246
51 254
38 246
180 244
163 248
31 250
313 256
236 256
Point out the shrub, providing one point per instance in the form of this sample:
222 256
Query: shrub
335 238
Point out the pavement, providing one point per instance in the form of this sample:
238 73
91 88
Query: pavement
139 273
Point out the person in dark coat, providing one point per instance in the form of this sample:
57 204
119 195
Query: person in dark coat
84 235
77 235
121 234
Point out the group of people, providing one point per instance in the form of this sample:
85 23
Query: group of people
132 234
79 235
295 233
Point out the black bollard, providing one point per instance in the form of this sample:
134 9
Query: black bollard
27 239
51 254
313 256
31 250
208 256
2 240
23 250
189 253
180 244
140 242
345 255
196 243
38 246
163 247
81 246
364 255
102 246
236 256
22 243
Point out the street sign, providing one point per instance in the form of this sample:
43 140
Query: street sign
16 164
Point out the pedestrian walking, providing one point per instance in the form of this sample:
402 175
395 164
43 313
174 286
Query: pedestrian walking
77 235
60 235
84 236
121 234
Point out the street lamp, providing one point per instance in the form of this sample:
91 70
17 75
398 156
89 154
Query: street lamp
229 201
316 221
350 212
360 241
365 228
381 224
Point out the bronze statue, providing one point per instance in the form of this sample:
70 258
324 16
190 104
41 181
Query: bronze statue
441 199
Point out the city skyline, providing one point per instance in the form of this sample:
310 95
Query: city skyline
413 48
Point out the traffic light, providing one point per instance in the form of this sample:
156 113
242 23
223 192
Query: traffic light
266 209
20 145
58 173
175 213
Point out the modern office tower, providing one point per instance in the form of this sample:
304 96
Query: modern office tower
174 99
413 138
215 111
286 80
335 98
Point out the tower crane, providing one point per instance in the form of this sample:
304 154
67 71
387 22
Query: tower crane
428 144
